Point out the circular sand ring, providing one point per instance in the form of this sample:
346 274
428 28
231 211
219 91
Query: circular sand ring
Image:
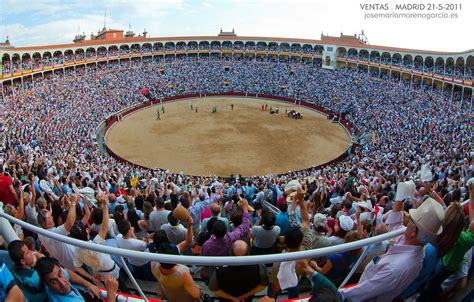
178 141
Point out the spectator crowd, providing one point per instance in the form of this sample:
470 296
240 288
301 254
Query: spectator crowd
414 174
458 68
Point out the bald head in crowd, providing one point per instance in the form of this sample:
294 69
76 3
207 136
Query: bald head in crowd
215 209
239 248
380 228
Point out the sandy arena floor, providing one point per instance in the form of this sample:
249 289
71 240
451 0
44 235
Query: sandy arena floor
243 141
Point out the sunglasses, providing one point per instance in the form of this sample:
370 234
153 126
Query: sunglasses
413 221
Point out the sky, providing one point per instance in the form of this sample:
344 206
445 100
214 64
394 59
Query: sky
45 22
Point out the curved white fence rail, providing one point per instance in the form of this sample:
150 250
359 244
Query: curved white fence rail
6 230
200 260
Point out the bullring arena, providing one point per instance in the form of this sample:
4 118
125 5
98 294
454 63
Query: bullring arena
120 151
243 140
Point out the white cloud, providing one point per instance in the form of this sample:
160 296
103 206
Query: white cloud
55 32
42 7
271 18
146 9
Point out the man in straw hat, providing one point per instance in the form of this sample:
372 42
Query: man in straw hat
385 277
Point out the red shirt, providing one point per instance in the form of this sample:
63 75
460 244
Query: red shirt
5 195
206 213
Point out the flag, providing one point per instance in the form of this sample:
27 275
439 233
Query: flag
134 181
376 211
144 91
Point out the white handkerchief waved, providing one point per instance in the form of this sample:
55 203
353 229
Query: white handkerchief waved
287 275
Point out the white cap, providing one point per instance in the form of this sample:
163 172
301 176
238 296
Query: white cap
346 223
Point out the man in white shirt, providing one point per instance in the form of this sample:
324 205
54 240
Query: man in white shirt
97 215
386 277
175 231
63 252
159 215
30 205
127 240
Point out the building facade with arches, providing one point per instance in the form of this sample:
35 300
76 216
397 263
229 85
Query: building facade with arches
445 70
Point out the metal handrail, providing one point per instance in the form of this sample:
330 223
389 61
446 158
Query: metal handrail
354 268
132 278
205 260
271 207
7 230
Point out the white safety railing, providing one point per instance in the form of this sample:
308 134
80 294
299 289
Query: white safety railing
6 230
204 260
271 207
